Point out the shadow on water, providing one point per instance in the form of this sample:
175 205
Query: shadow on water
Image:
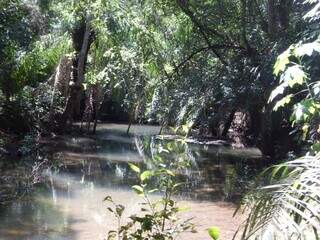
69 204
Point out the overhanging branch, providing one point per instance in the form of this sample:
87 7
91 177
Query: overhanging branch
214 46
186 10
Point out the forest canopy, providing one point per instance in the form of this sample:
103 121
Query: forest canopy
174 63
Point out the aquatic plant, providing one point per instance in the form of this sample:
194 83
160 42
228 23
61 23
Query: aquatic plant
157 219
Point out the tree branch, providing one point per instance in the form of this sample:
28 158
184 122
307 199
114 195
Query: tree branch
186 10
214 46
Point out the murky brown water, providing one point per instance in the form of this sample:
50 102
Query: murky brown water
69 205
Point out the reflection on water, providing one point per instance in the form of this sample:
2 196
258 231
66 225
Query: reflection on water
69 205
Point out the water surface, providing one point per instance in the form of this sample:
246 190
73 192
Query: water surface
69 204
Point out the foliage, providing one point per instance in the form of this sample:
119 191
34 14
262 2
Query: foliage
37 65
170 62
158 219
288 206
21 23
214 233
300 86
36 107
299 83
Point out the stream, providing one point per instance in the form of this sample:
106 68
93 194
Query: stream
69 204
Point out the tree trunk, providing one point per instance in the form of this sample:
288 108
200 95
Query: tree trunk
72 108
98 99
255 123
60 81
272 23
81 65
95 121
228 123
284 13
267 144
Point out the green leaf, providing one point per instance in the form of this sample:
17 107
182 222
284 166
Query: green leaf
285 100
304 110
307 49
112 235
278 91
119 209
134 168
305 129
294 75
169 172
282 62
153 190
214 233
108 198
168 68
184 209
298 112
146 175
138 190
316 147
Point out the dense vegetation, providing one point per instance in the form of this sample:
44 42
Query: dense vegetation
215 68
174 63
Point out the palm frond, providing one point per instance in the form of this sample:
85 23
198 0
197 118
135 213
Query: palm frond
288 208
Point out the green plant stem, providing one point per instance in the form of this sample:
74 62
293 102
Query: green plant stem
151 207
167 196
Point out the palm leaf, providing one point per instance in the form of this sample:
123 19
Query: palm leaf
288 208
